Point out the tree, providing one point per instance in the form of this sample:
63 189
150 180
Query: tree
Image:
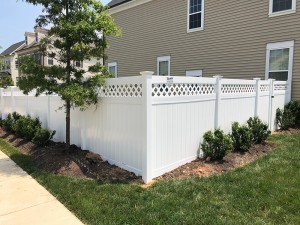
77 27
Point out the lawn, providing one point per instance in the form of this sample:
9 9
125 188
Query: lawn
264 192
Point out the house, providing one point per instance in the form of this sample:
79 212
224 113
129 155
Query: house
9 61
236 39
32 48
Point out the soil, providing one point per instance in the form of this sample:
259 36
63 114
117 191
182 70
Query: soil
87 165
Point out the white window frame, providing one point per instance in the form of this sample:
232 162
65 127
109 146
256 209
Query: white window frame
163 59
113 64
280 13
188 17
280 45
194 73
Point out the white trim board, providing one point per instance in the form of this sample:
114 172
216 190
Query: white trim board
127 5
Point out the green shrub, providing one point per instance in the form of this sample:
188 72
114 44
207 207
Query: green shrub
26 127
15 117
260 130
7 123
216 145
289 117
42 136
242 137
285 119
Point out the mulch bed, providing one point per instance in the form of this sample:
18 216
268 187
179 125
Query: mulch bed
87 165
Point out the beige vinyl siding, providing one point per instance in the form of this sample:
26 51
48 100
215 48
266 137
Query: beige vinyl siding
233 42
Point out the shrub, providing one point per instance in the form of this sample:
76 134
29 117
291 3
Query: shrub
242 137
15 117
7 123
289 117
216 145
42 136
285 119
26 127
260 130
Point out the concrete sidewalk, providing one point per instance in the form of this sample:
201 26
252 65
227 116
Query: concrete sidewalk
23 201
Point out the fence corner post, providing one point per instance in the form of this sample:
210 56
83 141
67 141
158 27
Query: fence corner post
13 104
147 125
257 95
271 96
218 91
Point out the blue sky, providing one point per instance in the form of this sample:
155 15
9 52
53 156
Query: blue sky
17 17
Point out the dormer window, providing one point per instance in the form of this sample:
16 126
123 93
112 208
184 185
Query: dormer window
36 37
26 40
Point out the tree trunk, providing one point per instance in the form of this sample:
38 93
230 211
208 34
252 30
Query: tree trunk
68 103
68 124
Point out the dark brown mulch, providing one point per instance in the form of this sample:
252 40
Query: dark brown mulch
76 162
204 168
87 165
289 131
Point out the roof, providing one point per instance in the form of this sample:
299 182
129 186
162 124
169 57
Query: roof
115 3
12 48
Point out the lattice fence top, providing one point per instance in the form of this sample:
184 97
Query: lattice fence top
179 89
280 87
122 90
264 88
237 88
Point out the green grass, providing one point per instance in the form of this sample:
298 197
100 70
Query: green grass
264 192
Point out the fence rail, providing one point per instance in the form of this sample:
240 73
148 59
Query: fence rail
152 124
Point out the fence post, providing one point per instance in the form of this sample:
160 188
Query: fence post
218 100
147 125
257 92
271 96
13 104
2 103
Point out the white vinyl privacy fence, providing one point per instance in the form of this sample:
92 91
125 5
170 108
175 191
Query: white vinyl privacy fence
150 125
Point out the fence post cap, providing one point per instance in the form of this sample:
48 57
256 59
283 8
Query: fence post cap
146 73
218 76
256 78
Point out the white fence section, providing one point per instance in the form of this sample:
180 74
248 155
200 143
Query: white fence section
150 125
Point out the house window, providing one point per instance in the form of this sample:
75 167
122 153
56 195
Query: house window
113 69
163 66
50 61
193 73
281 7
195 15
78 64
17 64
36 37
279 62
38 58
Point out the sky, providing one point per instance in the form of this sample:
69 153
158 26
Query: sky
17 17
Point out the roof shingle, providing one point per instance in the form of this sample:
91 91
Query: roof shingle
12 48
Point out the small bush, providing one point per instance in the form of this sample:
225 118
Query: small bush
289 117
260 130
242 137
26 127
42 136
15 117
7 123
285 119
216 145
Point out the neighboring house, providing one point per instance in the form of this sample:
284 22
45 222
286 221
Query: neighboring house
9 61
236 39
32 48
